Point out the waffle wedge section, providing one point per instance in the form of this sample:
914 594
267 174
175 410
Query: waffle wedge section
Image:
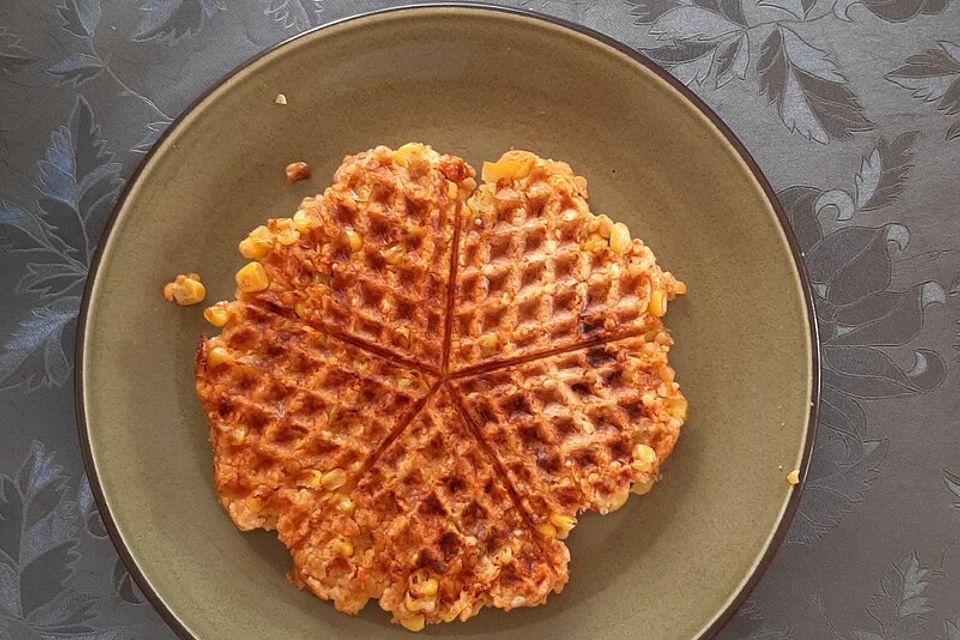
576 431
370 258
293 410
538 271
432 532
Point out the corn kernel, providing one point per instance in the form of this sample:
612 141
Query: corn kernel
185 290
392 254
563 523
217 356
421 584
644 457
618 501
346 505
643 487
793 478
218 315
403 336
288 236
253 277
280 99
304 222
404 154
297 171
415 604
547 530
413 623
334 479
352 239
512 165
620 238
677 408
489 341
342 547
301 310
452 190
257 244
658 303
239 434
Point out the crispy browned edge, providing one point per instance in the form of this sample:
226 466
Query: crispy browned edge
83 428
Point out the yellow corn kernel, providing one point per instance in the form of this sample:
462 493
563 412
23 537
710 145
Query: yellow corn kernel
547 530
563 523
258 244
512 165
352 239
414 604
677 408
643 487
252 277
304 222
793 478
288 235
403 336
452 190
413 623
618 501
489 341
342 547
644 457
403 155
218 315
185 290
301 310
421 584
334 479
280 99
658 303
620 238
217 356
392 254
346 505
297 171
680 288
239 434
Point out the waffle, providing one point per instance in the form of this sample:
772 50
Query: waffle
538 271
422 383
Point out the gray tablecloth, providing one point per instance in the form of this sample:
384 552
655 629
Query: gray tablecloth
852 109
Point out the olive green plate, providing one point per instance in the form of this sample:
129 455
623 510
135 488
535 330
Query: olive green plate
471 81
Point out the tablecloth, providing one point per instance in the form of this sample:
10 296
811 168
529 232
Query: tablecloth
851 108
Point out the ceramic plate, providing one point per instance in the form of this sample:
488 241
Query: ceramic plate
474 82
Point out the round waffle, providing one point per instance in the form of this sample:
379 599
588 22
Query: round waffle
422 382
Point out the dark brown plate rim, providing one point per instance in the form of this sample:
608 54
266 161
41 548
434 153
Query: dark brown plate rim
781 531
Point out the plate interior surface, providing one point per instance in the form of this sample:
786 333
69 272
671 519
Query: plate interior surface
471 82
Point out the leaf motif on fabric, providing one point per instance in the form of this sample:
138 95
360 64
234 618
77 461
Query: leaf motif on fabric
294 14
169 21
693 24
150 138
797 8
688 62
903 10
952 481
866 372
888 318
41 334
799 204
932 76
883 173
901 604
731 60
853 262
89 513
810 94
124 585
75 69
13 57
647 11
80 17
732 10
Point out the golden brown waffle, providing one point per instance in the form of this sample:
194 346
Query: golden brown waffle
432 507
370 258
538 271
421 386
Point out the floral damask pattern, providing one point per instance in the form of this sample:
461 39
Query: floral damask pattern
865 129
